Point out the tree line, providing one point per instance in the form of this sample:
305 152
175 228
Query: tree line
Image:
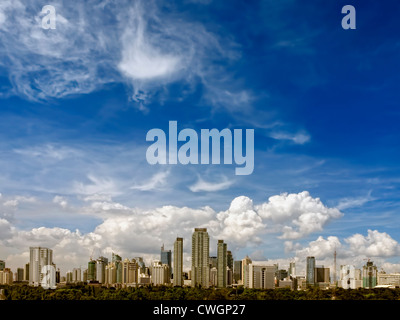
90 292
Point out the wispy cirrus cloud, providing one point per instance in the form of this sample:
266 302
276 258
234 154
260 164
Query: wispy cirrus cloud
156 181
206 186
146 49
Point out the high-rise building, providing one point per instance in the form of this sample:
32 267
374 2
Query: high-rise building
178 262
26 272
117 260
19 275
213 262
160 274
310 271
76 275
92 272
165 256
200 258
110 274
213 277
350 277
6 276
101 264
221 264
260 276
2 264
292 269
322 276
130 271
39 257
245 262
229 259
237 271
370 274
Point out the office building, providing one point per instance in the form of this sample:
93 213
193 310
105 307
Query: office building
165 256
39 257
200 258
19 275
130 271
221 264
370 275
101 264
322 276
245 278
26 272
178 262
76 275
310 271
350 277
160 274
388 279
92 272
258 275
2 265
237 271
292 269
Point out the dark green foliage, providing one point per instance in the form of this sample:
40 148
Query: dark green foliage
88 292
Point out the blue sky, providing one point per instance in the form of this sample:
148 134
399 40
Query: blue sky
77 102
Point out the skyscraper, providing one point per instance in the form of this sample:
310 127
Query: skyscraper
237 271
200 258
130 271
101 264
160 274
39 257
178 262
369 274
245 262
221 264
310 271
92 270
166 257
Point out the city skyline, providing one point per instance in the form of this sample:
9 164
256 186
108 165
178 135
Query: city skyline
96 268
77 102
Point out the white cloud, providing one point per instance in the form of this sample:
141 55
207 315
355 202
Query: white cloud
138 232
202 185
156 181
298 138
61 201
346 203
375 244
145 48
298 214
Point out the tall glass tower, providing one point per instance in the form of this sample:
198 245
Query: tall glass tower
310 271
166 258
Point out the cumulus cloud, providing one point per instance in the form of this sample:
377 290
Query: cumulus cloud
374 244
139 232
298 214
240 224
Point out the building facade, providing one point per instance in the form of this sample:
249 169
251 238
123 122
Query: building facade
178 262
222 264
200 258
38 258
